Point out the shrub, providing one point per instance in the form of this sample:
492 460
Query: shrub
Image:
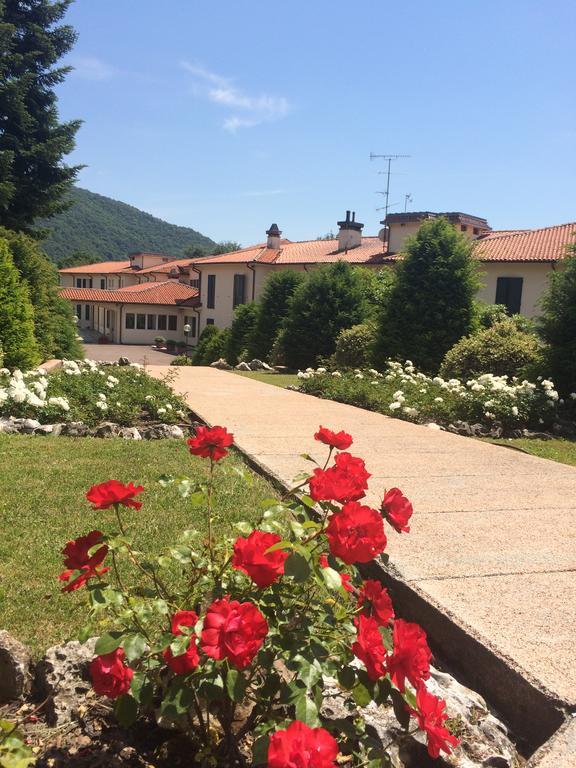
487 315
431 305
181 360
210 346
272 309
355 346
159 341
557 323
243 324
501 349
329 300
229 638
16 316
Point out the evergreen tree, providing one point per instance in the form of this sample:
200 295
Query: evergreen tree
33 142
240 331
272 309
79 258
431 305
16 316
557 324
330 299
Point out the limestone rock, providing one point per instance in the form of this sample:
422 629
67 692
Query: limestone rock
163 431
74 429
243 367
259 365
8 427
106 429
62 675
15 661
129 433
221 364
44 429
123 361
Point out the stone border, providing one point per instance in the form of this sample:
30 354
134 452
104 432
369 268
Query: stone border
535 715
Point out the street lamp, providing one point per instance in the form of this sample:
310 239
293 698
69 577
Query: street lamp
187 329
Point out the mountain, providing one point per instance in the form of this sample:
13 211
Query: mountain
104 227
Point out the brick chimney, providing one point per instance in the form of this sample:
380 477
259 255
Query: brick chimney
273 237
350 232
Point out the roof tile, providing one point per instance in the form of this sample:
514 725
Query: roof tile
168 293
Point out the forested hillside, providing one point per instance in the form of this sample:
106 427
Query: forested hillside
107 228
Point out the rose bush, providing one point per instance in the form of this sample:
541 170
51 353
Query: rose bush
230 637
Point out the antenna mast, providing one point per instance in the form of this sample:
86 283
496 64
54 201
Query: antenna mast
389 159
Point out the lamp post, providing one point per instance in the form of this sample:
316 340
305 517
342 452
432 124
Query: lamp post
187 330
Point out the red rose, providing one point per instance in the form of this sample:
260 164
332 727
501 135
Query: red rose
431 717
210 443
185 662
345 481
344 577
113 492
302 747
77 558
339 440
369 647
251 557
233 631
110 676
183 619
356 533
410 659
397 510
375 601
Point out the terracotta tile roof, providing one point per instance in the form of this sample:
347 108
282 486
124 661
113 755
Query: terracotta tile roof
103 267
537 245
163 268
168 293
306 252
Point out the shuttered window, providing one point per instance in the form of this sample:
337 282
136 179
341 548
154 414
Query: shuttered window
239 296
211 292
509 293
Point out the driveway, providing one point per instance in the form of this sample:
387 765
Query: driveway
142 354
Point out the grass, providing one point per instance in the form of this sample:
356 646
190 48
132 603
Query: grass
42 506
278 379
563 451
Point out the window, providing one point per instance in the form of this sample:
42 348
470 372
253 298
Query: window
79 311
191 321
151 322
103 283
172 322
161 322
107 318
141 322
130 318
195 283
209 321
211 292
78 282
476 231
87 311
90 283
509 293
463 228
239 295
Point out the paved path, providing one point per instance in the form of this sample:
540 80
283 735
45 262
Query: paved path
493 540
143 354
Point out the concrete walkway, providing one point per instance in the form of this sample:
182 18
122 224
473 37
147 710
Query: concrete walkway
493 540
136 353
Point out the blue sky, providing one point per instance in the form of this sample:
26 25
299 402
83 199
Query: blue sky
226 116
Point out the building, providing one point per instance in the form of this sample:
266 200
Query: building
151 294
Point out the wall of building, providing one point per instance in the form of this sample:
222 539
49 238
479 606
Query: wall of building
535 280
110 320
400 231
111 281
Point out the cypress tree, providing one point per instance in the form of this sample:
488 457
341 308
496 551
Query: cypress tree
16 316
272 309
431 305
33 142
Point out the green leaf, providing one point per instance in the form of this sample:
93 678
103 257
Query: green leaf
279 545
307 457
108 643
196 499
307 712
142 689
166 480
126 710
181 554
362 696
235 685
347 677
260 749
297 567
291 692
308 672
244 528
332 578
400 709
177 701
297 529
134 646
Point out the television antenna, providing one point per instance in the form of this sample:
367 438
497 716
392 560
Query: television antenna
388 159
407 199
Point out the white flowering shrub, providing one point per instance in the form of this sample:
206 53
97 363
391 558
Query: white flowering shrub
89 392
401 391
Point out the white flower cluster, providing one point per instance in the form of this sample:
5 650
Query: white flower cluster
27 389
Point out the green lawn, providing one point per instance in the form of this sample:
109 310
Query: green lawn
42 506
563 451
278 379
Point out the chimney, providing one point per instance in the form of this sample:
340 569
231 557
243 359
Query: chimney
350 232
273 237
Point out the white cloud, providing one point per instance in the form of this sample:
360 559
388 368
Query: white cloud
221 90
92 68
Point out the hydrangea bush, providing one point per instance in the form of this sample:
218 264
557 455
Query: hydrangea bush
404 393
89 392
229 636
